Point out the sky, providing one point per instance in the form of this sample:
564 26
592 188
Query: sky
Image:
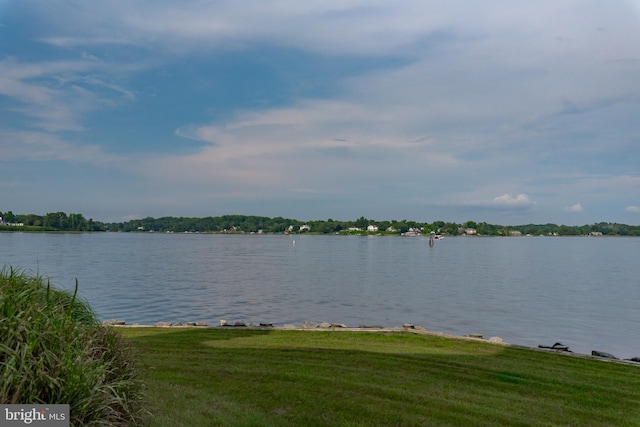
506 112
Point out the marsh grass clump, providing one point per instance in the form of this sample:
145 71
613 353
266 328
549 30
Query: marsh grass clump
54 350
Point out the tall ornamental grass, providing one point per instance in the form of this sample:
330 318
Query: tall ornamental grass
54 350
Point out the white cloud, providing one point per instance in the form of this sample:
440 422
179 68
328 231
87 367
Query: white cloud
573 208
520 200
632 209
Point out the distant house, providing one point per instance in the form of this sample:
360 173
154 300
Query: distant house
11 224
412 232
515 233
304 228
470 232
372 228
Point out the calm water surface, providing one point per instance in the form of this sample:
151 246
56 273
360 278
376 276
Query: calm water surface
583 292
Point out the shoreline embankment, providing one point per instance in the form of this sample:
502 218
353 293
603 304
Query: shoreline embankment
557 348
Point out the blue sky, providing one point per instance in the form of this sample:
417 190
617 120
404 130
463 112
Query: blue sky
508 112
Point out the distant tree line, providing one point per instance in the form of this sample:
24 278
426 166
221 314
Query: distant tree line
220 224
54 221
60 221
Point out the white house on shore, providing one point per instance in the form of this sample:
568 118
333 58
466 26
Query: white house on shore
412 232
302 228
11 224
372 228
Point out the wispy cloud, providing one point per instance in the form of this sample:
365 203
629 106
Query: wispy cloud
67 42
57 94
632 209
577 208
40 146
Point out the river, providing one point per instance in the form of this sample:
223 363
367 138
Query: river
581 291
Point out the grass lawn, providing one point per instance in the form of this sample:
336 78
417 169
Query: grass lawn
236 377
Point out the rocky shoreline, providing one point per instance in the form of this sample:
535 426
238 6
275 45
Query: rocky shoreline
306 326
406 327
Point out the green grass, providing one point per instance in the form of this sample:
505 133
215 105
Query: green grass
209 377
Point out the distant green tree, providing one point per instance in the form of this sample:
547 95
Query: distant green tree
56 220
565 230
384 225
8 217
77 222
31 219
362 223
401 226
438 224
451 228
484 229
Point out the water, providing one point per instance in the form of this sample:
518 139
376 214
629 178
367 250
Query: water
580 291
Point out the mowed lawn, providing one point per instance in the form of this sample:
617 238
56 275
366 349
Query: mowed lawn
245 377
